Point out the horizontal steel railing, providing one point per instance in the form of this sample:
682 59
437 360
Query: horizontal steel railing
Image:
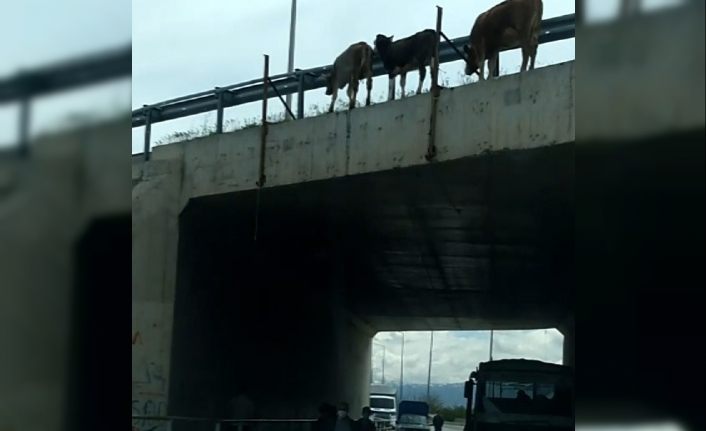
219 98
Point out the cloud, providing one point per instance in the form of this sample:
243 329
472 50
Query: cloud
457 353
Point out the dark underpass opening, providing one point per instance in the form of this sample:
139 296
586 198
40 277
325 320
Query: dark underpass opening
287 320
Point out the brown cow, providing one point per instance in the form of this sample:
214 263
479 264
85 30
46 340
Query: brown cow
354 64
510 24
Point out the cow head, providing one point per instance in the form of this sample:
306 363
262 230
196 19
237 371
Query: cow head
473 60
383 42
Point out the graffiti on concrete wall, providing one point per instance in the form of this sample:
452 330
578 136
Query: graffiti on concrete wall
136 338
149 388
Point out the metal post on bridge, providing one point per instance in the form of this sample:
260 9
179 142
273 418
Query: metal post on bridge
23 132
148 131
219 110
431 150
300 94
263 143
263 134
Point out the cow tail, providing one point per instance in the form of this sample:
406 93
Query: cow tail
367 59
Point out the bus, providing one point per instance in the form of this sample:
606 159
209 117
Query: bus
520 394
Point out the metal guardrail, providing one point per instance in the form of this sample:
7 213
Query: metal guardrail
86 70
65 75
300 81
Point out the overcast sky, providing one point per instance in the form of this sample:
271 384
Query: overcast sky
182 46
62 30
457 353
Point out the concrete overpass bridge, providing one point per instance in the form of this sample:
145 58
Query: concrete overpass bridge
353 232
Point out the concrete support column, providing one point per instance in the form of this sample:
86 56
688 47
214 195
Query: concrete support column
155 235
353 343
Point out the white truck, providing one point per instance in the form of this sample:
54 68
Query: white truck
383 404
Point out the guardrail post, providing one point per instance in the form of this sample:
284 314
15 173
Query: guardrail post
148 131
23 131
219 111
263 145
300 95
431 149
263 135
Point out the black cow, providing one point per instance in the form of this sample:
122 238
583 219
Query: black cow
399 57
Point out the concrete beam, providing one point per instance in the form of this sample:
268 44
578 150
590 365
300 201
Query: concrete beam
520 111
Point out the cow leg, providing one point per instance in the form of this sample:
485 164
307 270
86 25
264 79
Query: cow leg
422 75
433 70
391 89
403 82
369 86
481 72
533 52
334 96
525 56
492 63
353 88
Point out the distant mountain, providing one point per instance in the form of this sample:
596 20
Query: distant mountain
450 394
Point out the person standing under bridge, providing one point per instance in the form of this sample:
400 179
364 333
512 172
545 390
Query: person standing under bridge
365 423
327 418
343 421
438 422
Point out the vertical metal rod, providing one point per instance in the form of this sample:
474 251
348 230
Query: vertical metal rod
402 369
148 131
300 96
431 150
383 364
24 122
219 111
292 34
435 66
431 348
491 344
263 134
263 143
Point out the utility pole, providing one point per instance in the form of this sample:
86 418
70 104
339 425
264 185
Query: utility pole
491 344
402 369
292 33
384 351
431 347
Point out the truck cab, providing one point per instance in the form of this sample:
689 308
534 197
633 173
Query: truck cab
520 394
383 405
413 416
